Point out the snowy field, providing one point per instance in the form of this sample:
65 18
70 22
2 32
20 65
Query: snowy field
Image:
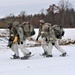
38 65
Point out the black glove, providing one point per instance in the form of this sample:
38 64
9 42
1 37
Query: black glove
53 43
58 36
21 42
10 44
46 40
18 43
62 33
10 39
37 39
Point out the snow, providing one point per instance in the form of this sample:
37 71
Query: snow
39 65
69 33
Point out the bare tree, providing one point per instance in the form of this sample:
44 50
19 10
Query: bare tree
42 11
63 6
52 10
23 13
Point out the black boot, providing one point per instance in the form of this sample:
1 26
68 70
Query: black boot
15 57
63 55
48 55
45 53
27 56
24 57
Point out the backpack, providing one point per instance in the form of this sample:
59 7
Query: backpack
28 30
45 29
58 30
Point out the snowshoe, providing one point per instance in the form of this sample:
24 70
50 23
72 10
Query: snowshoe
14 57
49 56
24 57
44 54
27 56
63 55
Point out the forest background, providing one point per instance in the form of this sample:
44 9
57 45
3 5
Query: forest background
61 14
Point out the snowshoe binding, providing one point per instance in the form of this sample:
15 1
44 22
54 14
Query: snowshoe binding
14 57
63 55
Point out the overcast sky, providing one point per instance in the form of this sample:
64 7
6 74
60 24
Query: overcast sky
30 6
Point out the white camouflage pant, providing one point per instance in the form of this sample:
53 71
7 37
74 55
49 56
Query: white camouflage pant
14 48
23 48
49 48
44 45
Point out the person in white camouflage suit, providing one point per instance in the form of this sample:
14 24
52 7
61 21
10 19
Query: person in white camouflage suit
53 40
11 42
49 38
21 40
44 39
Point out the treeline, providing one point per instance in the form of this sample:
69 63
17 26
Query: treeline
63 14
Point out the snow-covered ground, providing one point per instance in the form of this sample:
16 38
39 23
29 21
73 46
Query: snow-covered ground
38 65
